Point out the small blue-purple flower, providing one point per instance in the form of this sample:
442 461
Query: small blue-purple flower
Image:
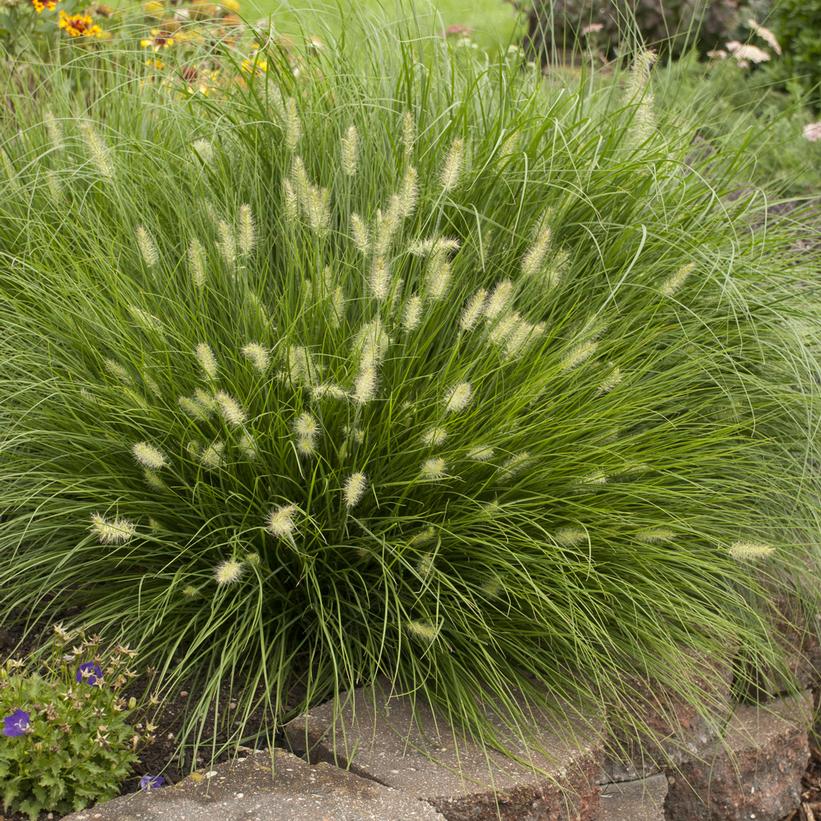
151 782
89 672
17 723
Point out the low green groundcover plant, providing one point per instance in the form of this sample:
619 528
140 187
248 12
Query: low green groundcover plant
66 741
396 361
796 24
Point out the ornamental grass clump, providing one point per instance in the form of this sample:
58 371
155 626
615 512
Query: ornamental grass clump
426 369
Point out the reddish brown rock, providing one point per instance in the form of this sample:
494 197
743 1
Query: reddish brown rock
390 739
753 773
668 729
799 634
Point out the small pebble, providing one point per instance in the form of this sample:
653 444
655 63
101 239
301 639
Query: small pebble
239 795
211 773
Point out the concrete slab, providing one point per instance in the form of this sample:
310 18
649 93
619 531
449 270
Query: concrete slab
388 738
248 790
641 800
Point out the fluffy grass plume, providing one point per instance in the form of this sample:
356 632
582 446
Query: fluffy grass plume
614 445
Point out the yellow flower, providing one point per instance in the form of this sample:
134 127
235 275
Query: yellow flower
254 66
153 8
189 36
230 5
39 5
79 25
159 40
200 88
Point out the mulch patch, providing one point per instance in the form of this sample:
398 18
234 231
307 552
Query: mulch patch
810 808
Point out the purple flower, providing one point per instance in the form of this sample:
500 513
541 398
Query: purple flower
151 782
90 673
17 723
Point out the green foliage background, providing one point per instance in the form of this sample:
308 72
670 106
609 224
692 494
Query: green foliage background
797 24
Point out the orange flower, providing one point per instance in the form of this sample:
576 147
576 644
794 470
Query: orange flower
39 5
79 25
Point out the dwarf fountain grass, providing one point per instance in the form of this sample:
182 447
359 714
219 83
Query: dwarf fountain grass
148 250
148 455
230 409
246 230
207 360
228 572
452 167
361 236
196 262
458 397
112 531
98 150
349 151
355 486
434 468
257 355
280 521
474 308
621 440
412 315
435 435
750 550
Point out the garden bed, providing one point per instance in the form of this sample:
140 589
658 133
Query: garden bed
384 360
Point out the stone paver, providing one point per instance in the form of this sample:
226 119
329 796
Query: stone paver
246 790
641 800
756 772
386 738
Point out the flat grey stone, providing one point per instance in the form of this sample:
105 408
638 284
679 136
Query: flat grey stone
390 739
247 790
641 800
